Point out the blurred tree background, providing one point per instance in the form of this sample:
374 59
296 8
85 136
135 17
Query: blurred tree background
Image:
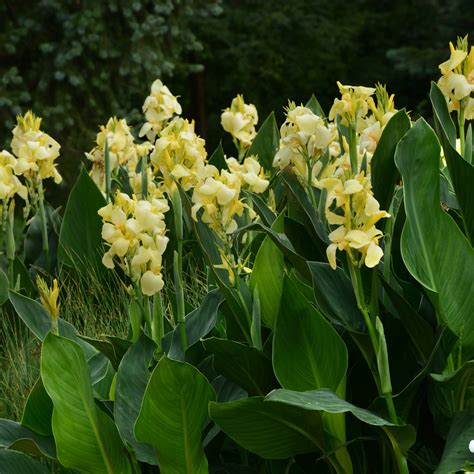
77 62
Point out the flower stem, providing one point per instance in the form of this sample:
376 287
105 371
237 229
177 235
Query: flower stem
10 241
178 283
461 120
353 150
157 328
44 225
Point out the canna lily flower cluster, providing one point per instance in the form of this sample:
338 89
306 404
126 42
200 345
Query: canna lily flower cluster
135 232
351 205
239 120
179 155
218 194
250 172
9 182
158 108
304 139
353 105
123 151
34 150
457 78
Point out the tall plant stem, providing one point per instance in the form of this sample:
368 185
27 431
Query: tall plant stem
361 303
10 241
44 225
108 173
158 327
461 120
353 150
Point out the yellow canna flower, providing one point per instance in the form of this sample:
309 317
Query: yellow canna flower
239 120
49 300
159 107
35 150
250 172
135 232
123 151
179 155
9 182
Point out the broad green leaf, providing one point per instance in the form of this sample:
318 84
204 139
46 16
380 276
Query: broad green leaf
384 173
13 462
434 250
132 379
456 454
261 208
281 240
80 241
38 320
199 323
4 284
38 410
460 169
419 331
327 401
265 144
271 430
15 436
269 283
86 438
113 348
22 277
244 365
335 296
307 352
314 105
217 159
172 416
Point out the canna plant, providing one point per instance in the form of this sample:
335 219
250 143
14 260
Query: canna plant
336 333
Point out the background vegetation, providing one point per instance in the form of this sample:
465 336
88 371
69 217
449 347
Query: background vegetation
80 61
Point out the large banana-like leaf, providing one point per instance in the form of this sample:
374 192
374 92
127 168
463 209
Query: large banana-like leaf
434 249
86 438
172 417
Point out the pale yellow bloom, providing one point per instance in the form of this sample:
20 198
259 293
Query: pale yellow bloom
179 155
239 120
159 107
304 139
350 204
35 150
250 172
218 195
9 183
135 232
353 104
123 151
457 78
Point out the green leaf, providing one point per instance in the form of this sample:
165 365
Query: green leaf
199 323
246 366
256 327
271 430
86 438
13 462
80 241
460 169
433 248
456 454
307 352
22 278
113 348
217 159
383 170
172 416
314 105
38 410
327 401
269 283
132 379
15 436
4 284
38 320
335 296
265 144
